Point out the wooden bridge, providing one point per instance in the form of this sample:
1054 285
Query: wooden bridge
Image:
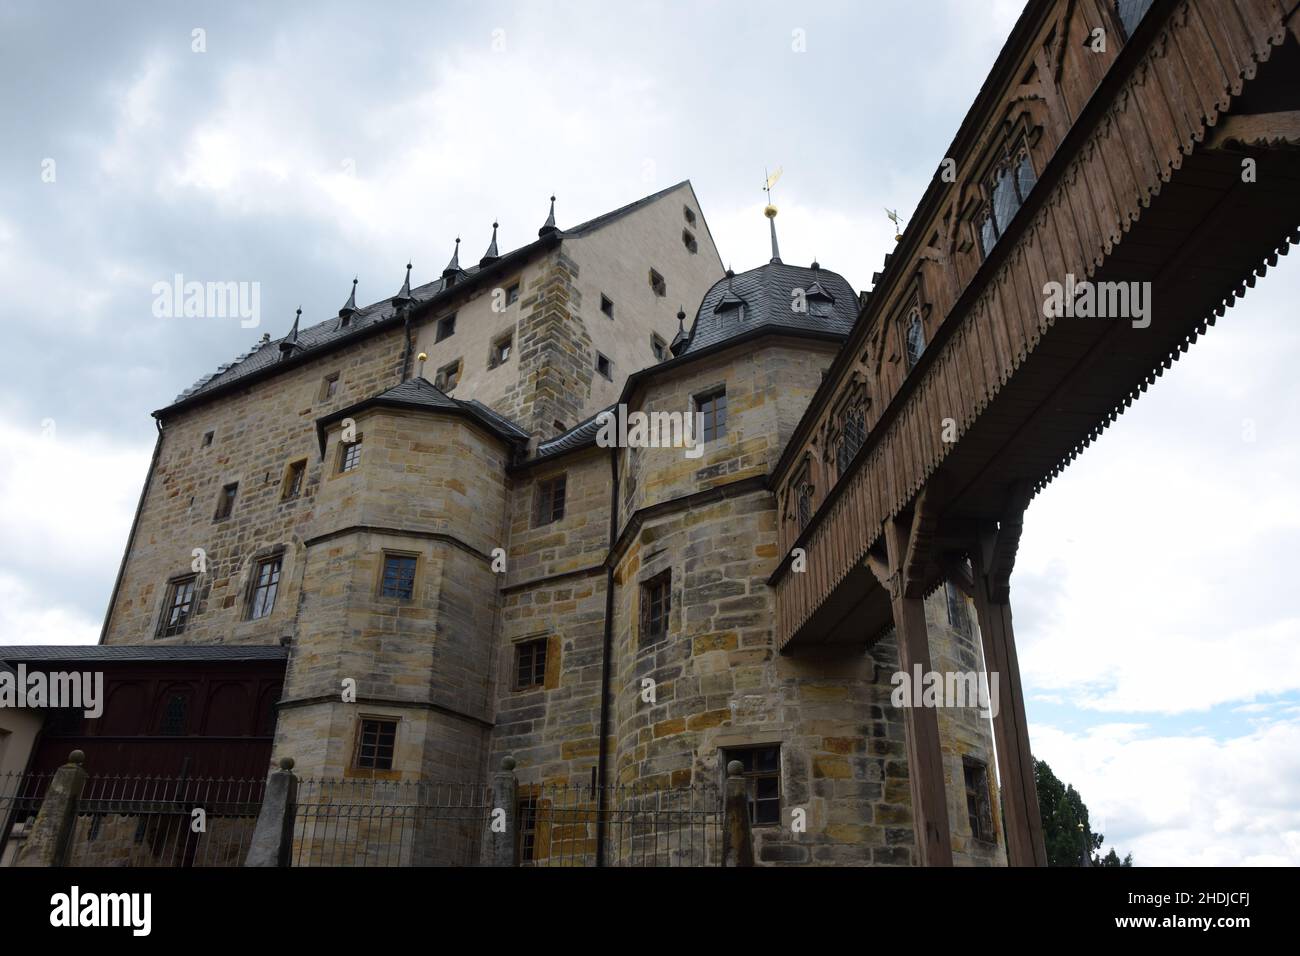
1143 152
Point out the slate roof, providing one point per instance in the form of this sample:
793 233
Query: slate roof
323 336
25 653
584 433
767 295
419 393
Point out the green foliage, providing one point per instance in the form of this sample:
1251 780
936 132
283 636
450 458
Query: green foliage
1065 821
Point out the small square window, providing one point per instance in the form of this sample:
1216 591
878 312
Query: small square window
349 455
548 502
329 387
656 606
293 479
376 743
688 240
178 606
658 284
713 407
207 439
607 305
445 329
500 353
226 501
604 366
448 376
659 347
266 582
689 214
399 577
512 293
530 664
762 774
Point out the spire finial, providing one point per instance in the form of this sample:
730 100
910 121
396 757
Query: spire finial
349 307
549 226
770 210
404 297
290 341
454 265
681 338
490 256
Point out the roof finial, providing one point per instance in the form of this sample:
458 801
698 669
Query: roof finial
404 297
290 341
421 358
681 338
892 215
490 256
549 226
454 265
770 211
350 307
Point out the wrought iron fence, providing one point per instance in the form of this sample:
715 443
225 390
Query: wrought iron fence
20 800
164 821
389 823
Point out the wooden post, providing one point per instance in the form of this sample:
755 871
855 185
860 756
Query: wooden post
992 559
924 753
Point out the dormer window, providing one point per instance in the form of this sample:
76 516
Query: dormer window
730 311
820 302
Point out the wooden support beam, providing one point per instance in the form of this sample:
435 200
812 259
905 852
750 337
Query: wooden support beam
993 558
921 538
924 753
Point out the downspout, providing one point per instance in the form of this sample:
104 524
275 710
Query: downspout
135 524
602 759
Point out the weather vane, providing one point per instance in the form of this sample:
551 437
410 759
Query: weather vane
898 226
770 211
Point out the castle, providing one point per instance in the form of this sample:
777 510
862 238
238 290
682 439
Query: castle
410 497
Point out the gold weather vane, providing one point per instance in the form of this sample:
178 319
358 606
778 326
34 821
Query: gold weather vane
898 226
770 211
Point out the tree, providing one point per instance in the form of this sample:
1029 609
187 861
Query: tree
1065 821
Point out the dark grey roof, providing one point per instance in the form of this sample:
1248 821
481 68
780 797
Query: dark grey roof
419 393
767 297
142 652
584 433
324 335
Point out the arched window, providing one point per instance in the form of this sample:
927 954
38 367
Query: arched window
915 340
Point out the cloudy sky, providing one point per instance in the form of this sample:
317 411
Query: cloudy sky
299 145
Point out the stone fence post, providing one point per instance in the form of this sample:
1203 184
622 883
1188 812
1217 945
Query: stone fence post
737 840
272 843
47 840
499 837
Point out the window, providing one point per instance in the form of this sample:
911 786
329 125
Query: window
527 828
500 351
762 774
349 455
604 366
329 387
266 582
178 606
174 713
853 432
915 340
688 240
1008 188
226 501
448 376
530 664
659 347
559 426
445 328
979 808
293 478
399 577
658 284
1131 13
656 606
512 294
376 741
689 215
207 439
548 503
713 407
607 305
804 504
958 610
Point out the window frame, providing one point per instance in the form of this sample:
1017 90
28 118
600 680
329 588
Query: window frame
979 818
607 373
752 776
607 301
291 489
256 586
447 323
440 377
658 284
495 359
226 501
544 499
348 461
329 386
359 744
536 649
712 426
381 590
174 585
656 590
